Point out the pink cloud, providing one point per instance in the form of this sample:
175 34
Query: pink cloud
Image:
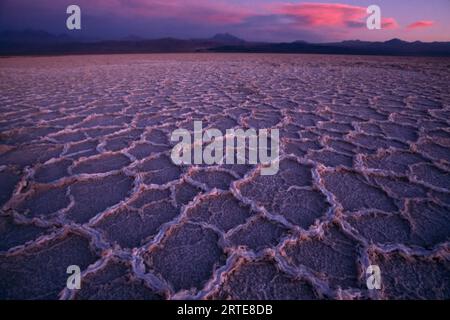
323 14
420 24
329 15
389 23
221 12
216 12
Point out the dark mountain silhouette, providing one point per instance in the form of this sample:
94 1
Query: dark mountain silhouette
393 47
32 36
132 37
227 38
41 42
32 42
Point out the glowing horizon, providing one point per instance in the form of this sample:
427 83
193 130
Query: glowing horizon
264 20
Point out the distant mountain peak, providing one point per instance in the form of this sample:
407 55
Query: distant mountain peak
226 38
300 41
132 37
30 35
396 41
41 42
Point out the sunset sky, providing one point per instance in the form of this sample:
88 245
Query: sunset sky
261 20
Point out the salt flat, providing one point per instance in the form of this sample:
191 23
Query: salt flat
86 177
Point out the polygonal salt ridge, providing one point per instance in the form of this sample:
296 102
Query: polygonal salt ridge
236 113
424 103
335 134
42 201
401 132
157 170
290 130
51 171
442 198
54 233
131 228
410 119
437 150
398 187
101 132
183 193
144 195
390 101
81 149
299 147
104 119
121 140
343 117
187 257
31 134
238 170
330 158
441 114
139 150
339 266
96 194
340 145
442 136
427 123
272 282
365 113
12 182
28 154
433 176
389 161
111 103
351 190
311 198
258 235
211 177
375 142
301 208
336 126
293 171
263 121
17 231
219 210
430 222
68 246
67 135
220 122
305 119
371 127
115 274
157 136
104 163
152 120
421 224
265 89
412 274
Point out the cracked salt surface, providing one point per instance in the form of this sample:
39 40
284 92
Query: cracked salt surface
86 178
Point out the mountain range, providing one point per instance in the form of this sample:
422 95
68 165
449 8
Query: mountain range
33 42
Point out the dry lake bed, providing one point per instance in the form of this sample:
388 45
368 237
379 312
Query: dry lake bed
86 177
